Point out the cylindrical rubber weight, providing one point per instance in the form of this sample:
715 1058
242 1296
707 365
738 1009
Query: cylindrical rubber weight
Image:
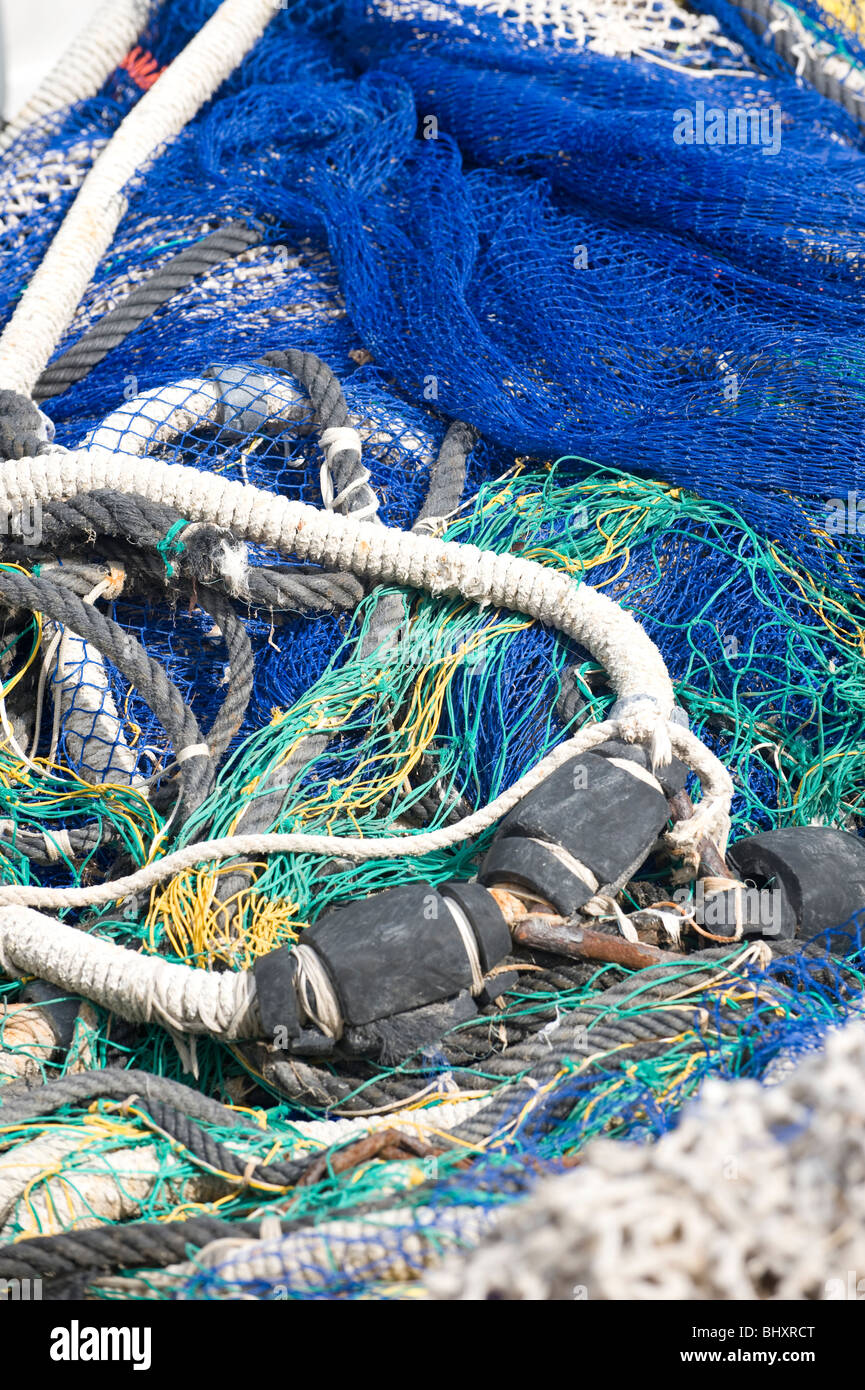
392 952
601 814
821 870
492 932
532 866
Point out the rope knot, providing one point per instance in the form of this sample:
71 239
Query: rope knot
24 430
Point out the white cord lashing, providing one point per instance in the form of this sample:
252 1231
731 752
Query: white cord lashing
360 848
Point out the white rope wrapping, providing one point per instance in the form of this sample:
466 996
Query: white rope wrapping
316 992
91 57
470 945
137 987
339 440
56 841
49 303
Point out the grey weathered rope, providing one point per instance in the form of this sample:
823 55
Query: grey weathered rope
85 839
320 383
448 473
20 1103
584 1033
330 411
143 524
135 1245
130 658
309 1085
24 431
776 23
145 571
213 1154
143 301
144 574
447 479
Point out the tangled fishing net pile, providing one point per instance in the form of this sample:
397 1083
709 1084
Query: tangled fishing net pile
432 510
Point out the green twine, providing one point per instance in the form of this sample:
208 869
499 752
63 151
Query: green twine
170 545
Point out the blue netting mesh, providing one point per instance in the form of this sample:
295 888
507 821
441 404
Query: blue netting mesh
488 217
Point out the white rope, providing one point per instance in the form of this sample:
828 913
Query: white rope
340 440
470 945
49 303
381 555
91 57
316 992
137 987
367 848
634 770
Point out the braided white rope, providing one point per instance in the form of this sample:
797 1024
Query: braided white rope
386 847
140 988
91 57
48 304
377 553
388 556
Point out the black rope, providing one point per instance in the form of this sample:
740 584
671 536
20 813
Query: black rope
21 1102
130 658
107 1249
140 304
89 517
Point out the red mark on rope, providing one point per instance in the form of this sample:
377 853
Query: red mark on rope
142 67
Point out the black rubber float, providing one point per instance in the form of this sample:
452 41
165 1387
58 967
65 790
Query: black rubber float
600 815
820 871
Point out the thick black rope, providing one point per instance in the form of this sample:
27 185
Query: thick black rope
89 517
21 1102
106 1249
140 304
143 575
24 430
142 671
213 1154
583 1033
330 411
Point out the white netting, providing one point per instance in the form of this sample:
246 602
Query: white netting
620 28
759 1193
